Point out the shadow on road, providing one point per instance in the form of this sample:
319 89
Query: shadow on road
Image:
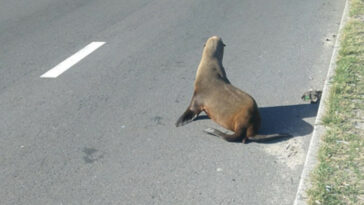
284 119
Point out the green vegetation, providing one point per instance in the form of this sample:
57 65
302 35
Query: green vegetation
339 177
357 8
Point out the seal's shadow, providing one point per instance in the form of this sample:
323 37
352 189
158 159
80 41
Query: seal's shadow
284 119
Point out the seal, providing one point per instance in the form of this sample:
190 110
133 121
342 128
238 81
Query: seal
225 104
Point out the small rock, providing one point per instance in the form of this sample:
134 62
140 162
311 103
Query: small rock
328 188
342 141
359 125
288 145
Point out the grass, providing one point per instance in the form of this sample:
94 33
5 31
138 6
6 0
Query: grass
339 176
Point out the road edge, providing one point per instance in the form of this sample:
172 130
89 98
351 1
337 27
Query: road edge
319 129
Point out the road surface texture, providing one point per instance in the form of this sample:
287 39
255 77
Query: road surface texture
103 131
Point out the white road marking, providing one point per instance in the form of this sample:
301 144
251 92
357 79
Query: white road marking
72 60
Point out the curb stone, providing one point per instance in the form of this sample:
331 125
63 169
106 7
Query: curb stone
319 129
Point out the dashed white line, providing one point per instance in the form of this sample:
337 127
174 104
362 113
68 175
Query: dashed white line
72 60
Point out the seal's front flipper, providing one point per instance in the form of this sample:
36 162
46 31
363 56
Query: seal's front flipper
186 117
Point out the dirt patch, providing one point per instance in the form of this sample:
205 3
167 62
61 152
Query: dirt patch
289 153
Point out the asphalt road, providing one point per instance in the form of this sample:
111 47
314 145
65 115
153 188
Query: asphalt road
103 132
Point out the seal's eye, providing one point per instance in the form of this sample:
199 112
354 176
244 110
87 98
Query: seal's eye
223 44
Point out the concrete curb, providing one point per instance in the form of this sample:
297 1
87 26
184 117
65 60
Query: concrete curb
319 129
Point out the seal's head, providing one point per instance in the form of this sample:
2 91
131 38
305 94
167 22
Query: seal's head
214 48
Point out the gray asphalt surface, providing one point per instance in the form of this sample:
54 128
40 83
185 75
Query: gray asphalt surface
103 132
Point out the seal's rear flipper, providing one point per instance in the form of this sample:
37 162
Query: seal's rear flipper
270 137
186 117
236 137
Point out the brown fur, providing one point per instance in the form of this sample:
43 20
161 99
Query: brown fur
225 104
